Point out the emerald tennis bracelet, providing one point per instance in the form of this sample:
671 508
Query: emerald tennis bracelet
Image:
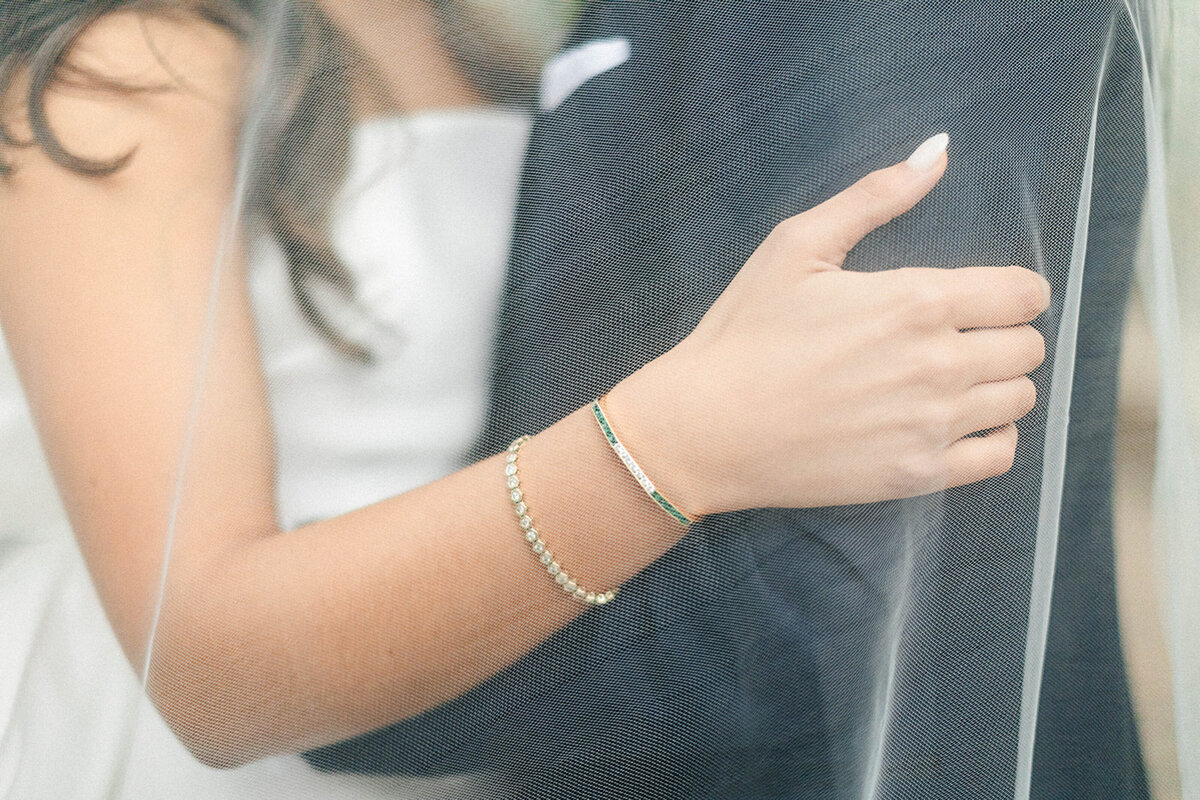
630 464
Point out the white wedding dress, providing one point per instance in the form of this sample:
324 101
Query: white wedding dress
423 224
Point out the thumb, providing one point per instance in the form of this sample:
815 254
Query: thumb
826 233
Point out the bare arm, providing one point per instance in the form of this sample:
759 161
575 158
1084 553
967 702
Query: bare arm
104 287
270 642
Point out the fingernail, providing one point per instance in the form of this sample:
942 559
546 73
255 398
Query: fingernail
927 154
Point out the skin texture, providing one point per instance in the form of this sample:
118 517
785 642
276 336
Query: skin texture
875 377
829 387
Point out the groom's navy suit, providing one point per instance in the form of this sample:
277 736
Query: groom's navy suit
745 662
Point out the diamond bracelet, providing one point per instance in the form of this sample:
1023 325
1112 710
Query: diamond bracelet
536 545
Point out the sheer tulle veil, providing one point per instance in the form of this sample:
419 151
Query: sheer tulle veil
426 287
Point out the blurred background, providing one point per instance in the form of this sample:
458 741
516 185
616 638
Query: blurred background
1139 554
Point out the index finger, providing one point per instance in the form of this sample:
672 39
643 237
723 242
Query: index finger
993 297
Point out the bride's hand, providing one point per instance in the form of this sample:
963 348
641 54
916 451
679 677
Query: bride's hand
806 385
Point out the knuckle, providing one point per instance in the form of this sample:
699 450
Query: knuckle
940 366
939 418
919 472
791 233
873 188
925 301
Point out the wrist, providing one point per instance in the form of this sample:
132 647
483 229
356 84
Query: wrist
648 414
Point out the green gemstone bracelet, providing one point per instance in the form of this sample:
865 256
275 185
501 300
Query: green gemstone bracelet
632 465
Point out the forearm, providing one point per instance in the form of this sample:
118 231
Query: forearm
296 640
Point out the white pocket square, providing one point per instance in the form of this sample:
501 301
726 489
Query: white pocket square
570 69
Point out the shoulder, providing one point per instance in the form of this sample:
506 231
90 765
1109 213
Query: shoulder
158 86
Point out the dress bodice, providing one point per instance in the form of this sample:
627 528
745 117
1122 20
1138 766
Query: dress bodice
423 226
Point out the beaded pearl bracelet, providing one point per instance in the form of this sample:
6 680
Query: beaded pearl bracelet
536 545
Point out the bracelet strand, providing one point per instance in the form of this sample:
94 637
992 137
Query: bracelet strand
534 539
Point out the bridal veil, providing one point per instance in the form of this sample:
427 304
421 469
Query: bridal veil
1018 637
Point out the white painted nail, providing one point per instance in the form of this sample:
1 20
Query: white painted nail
927 154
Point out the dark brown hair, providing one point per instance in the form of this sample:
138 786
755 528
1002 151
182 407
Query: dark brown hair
302 151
